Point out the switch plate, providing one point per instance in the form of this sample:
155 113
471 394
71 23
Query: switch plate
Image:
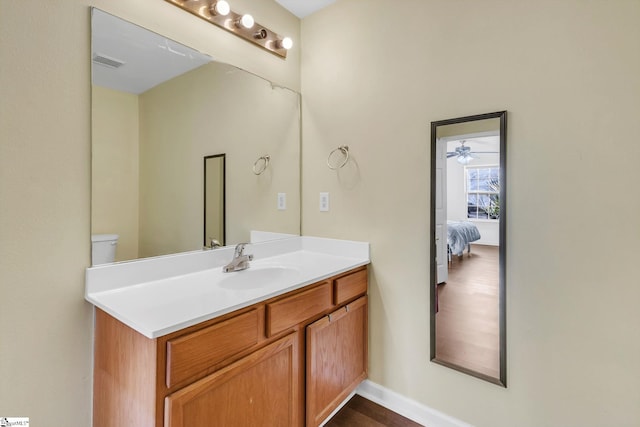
324 202
282 201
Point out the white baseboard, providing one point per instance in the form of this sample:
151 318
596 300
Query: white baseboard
406 407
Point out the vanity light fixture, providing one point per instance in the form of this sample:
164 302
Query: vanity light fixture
220 14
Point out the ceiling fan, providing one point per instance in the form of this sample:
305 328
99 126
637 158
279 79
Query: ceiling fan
465 155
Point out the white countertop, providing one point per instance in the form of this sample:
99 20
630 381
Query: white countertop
161 295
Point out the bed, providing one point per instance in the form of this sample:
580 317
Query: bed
459 235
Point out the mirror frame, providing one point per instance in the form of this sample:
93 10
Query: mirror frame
502 115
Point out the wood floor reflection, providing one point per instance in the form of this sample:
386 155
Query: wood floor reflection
467 321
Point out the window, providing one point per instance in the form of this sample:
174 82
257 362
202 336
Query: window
483 192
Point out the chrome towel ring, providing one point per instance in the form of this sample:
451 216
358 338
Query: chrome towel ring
334 160
261 164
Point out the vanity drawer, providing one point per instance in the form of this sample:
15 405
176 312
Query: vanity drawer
348 287
290 311
193 353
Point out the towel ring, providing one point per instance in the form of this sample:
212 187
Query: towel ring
332 161
261 164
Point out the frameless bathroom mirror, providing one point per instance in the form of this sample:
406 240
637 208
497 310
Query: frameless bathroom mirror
468 221
158 109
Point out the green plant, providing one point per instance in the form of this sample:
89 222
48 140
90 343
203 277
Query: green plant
493 210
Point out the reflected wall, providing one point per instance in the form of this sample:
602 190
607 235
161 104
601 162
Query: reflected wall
148 173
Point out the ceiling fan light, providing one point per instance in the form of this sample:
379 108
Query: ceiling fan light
464 159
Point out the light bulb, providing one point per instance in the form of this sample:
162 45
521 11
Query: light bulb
247 21
286 43
465 159
221 8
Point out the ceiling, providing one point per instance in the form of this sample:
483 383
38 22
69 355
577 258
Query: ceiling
302 8
148 58
142 51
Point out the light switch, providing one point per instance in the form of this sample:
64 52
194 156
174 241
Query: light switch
324 202
282 201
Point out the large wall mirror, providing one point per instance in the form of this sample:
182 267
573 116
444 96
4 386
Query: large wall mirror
468 222
158 109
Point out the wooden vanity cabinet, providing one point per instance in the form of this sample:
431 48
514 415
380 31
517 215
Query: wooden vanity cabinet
258 390
249 367
134 374
291 310
195 352
336 359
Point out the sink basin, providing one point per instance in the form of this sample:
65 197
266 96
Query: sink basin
258 277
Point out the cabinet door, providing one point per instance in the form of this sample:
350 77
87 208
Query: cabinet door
258 390
336 359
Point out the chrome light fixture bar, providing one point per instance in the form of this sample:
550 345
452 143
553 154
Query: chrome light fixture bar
243 25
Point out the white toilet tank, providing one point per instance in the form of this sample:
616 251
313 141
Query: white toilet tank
103 248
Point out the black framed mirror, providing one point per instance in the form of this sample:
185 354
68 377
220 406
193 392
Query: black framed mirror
468 245
214 201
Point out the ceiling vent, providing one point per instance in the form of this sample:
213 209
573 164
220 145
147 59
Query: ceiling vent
107 61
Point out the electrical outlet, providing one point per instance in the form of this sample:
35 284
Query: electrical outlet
324 202
282 201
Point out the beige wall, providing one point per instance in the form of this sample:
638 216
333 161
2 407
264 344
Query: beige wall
572 287
153 145
216 109
567 72
45 122
114 168
467 128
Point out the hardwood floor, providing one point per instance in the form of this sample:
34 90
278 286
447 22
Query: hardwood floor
360 412
467 322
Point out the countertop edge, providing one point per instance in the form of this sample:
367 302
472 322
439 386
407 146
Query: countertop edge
94 299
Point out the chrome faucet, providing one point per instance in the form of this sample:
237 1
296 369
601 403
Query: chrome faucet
214 244
239 261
